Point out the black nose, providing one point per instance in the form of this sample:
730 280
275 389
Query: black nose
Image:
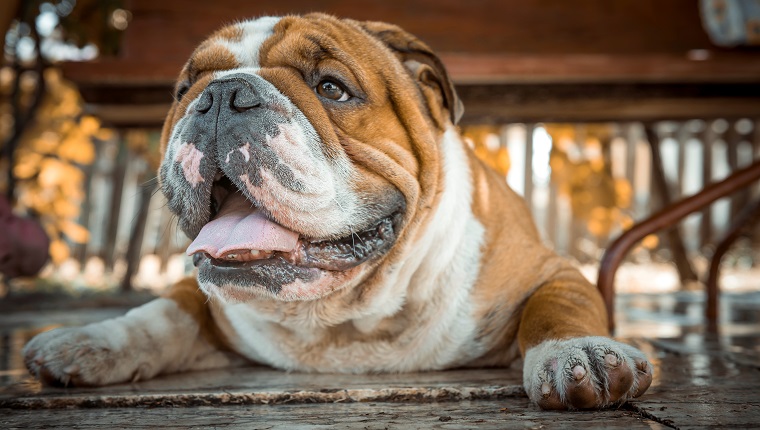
231 93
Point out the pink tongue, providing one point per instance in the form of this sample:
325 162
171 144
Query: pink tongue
239 226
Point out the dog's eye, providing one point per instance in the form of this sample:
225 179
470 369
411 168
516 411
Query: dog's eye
331 90
182 89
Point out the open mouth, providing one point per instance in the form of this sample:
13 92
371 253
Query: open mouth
241 236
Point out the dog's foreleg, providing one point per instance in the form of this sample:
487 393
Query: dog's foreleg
166 335
570 363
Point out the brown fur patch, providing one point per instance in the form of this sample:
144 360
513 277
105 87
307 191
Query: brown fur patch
563 308
232 33
209 59
522 284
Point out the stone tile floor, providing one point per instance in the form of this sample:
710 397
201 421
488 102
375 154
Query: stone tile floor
702 380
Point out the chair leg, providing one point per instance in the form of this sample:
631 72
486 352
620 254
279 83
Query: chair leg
616 252
746 219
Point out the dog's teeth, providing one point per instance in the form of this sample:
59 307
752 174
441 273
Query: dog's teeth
231 256
259 253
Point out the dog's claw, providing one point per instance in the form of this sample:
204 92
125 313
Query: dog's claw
643 376
71 369
611 360
579 372
546 390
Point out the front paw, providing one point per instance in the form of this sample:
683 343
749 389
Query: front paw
79 356
584 373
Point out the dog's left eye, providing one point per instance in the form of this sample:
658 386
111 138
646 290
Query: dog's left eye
332 90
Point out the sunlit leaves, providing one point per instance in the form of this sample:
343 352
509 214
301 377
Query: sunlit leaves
488 148
27 165
59 251
580 163
74 231
65 209
48 163
72 148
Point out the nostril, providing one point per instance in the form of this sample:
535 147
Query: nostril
205 102
244 99
235 94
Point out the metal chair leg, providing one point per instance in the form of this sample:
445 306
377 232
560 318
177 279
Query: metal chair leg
746 218
615 253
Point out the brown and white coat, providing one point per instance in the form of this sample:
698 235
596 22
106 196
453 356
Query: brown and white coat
331 130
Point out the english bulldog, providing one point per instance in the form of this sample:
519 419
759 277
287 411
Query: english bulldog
340 224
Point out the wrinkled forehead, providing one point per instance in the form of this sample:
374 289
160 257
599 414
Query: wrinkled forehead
235 46
257 43
244 40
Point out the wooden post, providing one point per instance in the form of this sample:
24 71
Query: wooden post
685 271
136 237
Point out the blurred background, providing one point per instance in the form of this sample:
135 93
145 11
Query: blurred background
598 112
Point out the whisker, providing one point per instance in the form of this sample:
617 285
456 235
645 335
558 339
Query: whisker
337 203
353 242
152 182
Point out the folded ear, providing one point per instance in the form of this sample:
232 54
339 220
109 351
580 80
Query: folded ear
424 65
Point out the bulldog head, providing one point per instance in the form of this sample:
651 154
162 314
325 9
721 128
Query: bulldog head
302 152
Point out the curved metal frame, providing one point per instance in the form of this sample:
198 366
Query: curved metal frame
746 218
668 217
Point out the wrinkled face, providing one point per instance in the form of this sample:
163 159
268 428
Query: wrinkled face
288 156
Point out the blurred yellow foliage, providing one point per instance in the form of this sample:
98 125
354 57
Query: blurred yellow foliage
72 149
89 125
488 147
650 242
65 209
48 162
27 165
581 170
74 231
59 251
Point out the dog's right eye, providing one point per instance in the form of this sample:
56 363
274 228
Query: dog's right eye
182 89
332 90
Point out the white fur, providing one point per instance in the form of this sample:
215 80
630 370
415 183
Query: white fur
255 32
157 337
427 295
